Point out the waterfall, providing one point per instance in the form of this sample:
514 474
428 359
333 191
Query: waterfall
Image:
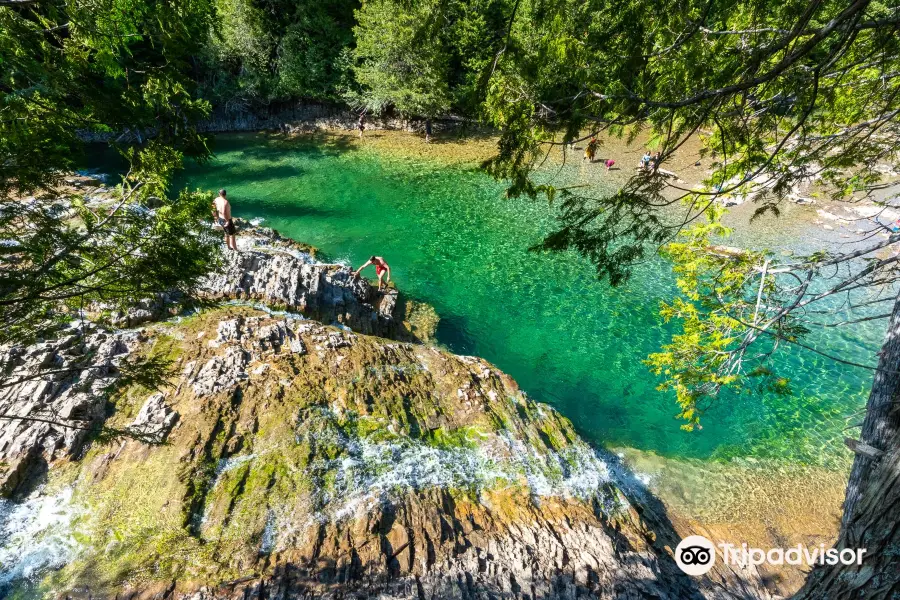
36 535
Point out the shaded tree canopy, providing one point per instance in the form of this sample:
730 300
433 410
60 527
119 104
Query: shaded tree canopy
261 51
118 70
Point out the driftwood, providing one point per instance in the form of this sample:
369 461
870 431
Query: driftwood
726 251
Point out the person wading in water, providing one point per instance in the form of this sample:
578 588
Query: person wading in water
591 150
381 267
222 214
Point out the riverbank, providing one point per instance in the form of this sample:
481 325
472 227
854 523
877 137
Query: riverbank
461 146
285 454
455 242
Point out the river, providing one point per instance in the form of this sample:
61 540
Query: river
454 241
763 465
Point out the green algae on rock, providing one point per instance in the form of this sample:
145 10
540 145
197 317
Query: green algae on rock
294 459
322 461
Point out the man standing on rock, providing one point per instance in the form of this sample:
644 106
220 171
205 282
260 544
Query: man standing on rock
381 267
222 214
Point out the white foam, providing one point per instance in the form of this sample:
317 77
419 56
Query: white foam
268 537
375 471
227 464
262 307
36 535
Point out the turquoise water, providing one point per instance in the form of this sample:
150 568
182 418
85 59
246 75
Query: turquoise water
452 240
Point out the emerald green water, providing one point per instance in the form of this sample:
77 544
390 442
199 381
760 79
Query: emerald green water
453 241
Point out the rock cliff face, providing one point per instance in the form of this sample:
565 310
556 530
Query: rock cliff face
284 458
305 461
77 370
304 117
271 271
71 377
281 274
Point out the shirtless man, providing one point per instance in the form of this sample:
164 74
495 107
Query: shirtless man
222 214
381 268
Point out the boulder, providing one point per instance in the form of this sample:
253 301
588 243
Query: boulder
55 393
155 419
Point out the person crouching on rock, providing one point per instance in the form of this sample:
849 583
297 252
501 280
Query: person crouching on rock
222 214
381 267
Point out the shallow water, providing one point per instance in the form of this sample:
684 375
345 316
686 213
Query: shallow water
453 241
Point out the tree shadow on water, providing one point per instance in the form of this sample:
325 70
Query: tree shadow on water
285 210
313 144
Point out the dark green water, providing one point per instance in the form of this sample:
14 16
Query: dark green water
454 242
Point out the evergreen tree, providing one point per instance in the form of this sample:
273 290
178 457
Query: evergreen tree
779 93
120 70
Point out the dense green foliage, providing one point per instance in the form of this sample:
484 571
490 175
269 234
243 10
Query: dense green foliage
101 66
120 70
425 58
778 93
420 58
262 51
781 95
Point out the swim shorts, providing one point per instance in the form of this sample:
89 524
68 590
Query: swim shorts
228 226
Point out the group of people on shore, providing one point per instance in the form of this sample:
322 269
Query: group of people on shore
648 162
221 212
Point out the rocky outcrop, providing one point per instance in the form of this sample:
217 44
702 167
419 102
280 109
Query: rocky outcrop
53 394
155 419
282 274
326 292
309 461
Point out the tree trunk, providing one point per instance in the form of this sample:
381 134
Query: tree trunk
872 504
881 426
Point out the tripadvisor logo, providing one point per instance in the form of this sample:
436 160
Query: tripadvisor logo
696 555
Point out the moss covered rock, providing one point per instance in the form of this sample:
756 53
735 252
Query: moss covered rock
307 461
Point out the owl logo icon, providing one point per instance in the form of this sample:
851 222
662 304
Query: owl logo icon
695 555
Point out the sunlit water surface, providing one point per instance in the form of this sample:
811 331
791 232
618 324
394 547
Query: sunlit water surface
765 469
454 241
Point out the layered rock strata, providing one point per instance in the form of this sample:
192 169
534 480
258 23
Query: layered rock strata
308 461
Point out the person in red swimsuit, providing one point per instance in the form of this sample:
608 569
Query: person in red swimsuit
381 267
